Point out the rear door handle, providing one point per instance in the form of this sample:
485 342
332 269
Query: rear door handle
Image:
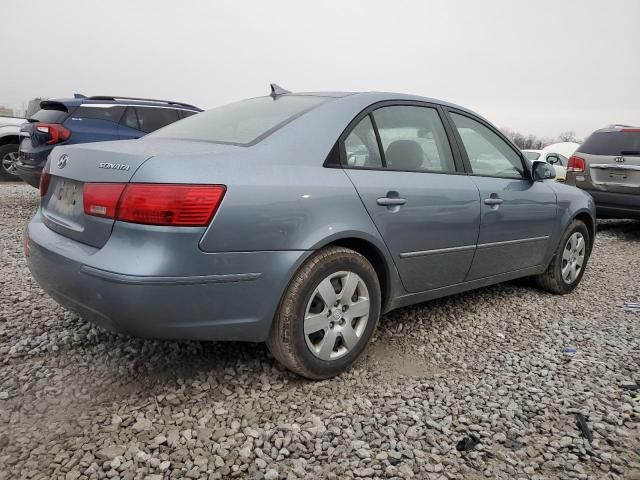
391 201
492 201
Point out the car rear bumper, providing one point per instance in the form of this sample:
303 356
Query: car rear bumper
616 205
235 300
30 175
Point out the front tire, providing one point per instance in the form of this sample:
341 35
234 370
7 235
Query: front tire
569 262
327 314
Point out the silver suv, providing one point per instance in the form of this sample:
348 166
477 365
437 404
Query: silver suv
607 165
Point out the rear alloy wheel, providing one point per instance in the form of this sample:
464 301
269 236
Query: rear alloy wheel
8 160
327 315
569 262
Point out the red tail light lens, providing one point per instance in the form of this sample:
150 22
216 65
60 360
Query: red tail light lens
154 204
576 164
57 133
101 199
45 178
178 205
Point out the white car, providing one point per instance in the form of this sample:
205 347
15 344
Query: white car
557 155
9 141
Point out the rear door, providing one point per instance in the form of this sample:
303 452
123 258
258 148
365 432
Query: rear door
518 214
400 160
612 161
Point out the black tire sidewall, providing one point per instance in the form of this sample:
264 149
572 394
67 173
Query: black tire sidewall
576 226
353 263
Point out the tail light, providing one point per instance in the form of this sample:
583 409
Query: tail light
45 178
576 164
57 133
154 204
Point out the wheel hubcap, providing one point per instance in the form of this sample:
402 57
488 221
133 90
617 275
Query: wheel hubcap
336 315
9 162
573 257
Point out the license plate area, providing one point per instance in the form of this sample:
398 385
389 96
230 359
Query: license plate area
66 200
618 175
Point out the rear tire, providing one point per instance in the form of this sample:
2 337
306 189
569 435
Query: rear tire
562 276
8 159
327 314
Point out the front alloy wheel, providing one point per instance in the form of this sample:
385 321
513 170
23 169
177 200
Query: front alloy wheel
569 261
573 257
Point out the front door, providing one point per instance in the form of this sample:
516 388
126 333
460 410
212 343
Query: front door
518 214
400 161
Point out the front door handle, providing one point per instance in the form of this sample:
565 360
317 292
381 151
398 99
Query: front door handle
391 201
492 201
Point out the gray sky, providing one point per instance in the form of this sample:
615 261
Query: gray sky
536 67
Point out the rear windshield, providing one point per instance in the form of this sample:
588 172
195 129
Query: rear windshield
532 155
47 115
242 123
612 143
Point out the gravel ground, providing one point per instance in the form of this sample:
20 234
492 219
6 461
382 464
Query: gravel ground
80 402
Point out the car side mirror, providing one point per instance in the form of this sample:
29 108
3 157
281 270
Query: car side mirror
542 171
553 159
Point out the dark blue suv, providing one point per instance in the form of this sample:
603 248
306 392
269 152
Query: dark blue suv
90 119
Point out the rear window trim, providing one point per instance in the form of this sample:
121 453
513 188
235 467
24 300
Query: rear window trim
261 137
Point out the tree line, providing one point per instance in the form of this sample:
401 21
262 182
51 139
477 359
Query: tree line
534 142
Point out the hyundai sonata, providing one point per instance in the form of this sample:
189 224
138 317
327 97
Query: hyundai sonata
298 219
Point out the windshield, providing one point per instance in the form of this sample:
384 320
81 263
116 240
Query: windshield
531 155
242 123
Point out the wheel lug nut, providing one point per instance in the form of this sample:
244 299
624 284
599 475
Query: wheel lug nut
345 308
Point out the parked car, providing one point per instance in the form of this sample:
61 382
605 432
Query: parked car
558 161
297 219
90 119
9 140
607 165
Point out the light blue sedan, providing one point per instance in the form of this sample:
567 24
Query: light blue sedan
298 219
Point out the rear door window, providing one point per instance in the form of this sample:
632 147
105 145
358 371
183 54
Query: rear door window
413 139
612 143
153 118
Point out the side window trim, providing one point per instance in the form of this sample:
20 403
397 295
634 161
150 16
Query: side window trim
378 140
458 159
463 150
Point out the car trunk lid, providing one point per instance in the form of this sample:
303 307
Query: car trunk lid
71 167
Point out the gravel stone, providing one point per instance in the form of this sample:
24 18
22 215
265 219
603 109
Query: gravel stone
81 402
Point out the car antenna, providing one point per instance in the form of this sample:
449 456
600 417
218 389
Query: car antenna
276 91
78 95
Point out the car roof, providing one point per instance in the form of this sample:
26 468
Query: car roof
117 100
375 97
616 128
